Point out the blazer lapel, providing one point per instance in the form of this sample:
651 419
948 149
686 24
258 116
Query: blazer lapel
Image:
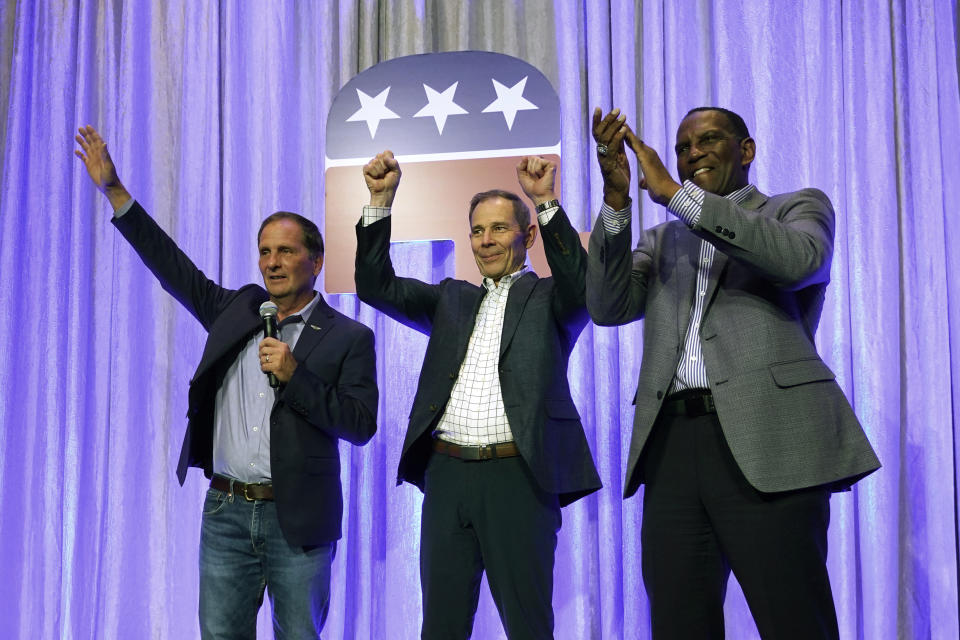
470 300
516 300
720 259
686 258
315 327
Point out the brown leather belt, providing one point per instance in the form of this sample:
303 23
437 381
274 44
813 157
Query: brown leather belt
486 452
248 491
690 403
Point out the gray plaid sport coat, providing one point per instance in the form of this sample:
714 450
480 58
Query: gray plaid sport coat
782 412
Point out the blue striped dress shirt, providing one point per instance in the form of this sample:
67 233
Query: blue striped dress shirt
687 205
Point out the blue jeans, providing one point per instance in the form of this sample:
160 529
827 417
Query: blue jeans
243 552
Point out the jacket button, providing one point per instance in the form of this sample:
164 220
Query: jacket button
433 407
719 229
732 235
659 394
453 376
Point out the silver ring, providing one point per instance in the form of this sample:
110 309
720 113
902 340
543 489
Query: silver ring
602 149
267 357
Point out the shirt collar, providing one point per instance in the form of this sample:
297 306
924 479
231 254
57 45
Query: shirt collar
507 280
306 311
740 195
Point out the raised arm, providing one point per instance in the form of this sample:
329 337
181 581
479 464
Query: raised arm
561 243
537 176
382 175
609 132
178 275
406 300
100 167
616 279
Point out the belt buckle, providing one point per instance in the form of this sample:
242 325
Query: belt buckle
246 494
709 404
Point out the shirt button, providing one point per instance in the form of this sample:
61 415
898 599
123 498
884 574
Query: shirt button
251 464
703 292
256 428
262 394
693 358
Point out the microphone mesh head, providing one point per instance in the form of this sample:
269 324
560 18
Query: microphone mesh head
268 309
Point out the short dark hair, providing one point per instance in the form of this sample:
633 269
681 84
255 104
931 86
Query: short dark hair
737 126
520 211
312 239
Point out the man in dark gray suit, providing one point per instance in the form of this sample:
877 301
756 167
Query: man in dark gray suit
741 431
494 439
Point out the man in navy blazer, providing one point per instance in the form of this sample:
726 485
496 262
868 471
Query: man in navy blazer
494 439
273 512
741 431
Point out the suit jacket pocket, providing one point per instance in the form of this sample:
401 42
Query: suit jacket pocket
317 466
561 409
791 374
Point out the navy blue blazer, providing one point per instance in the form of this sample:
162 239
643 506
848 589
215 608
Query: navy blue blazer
332 394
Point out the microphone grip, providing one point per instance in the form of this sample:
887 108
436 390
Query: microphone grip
270 331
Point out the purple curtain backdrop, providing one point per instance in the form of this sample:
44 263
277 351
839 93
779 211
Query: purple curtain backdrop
215 114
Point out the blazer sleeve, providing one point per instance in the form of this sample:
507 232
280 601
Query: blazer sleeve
618 279
791 246
406 300
568 266
177 274
347 409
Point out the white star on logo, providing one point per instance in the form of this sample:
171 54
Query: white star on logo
440 105
373 110
509 101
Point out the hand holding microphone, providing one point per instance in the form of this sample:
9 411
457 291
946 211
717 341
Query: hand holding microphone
275 356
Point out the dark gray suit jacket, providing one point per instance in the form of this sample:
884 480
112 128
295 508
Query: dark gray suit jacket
332 394
543 318
784 416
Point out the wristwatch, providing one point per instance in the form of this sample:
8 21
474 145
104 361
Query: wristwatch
549 204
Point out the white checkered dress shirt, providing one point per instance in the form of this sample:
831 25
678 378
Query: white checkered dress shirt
474 414
686 204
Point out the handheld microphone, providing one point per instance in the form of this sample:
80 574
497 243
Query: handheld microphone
268 313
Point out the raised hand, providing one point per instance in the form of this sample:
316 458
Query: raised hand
609 132
655 177
382 175
537 176
99 164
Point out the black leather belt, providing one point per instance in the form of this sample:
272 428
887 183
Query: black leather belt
690 403
249 491
486 452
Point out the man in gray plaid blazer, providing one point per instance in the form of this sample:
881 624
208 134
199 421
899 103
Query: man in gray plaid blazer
741 431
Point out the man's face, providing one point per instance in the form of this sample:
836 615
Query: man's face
499 244
710 154
287 268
